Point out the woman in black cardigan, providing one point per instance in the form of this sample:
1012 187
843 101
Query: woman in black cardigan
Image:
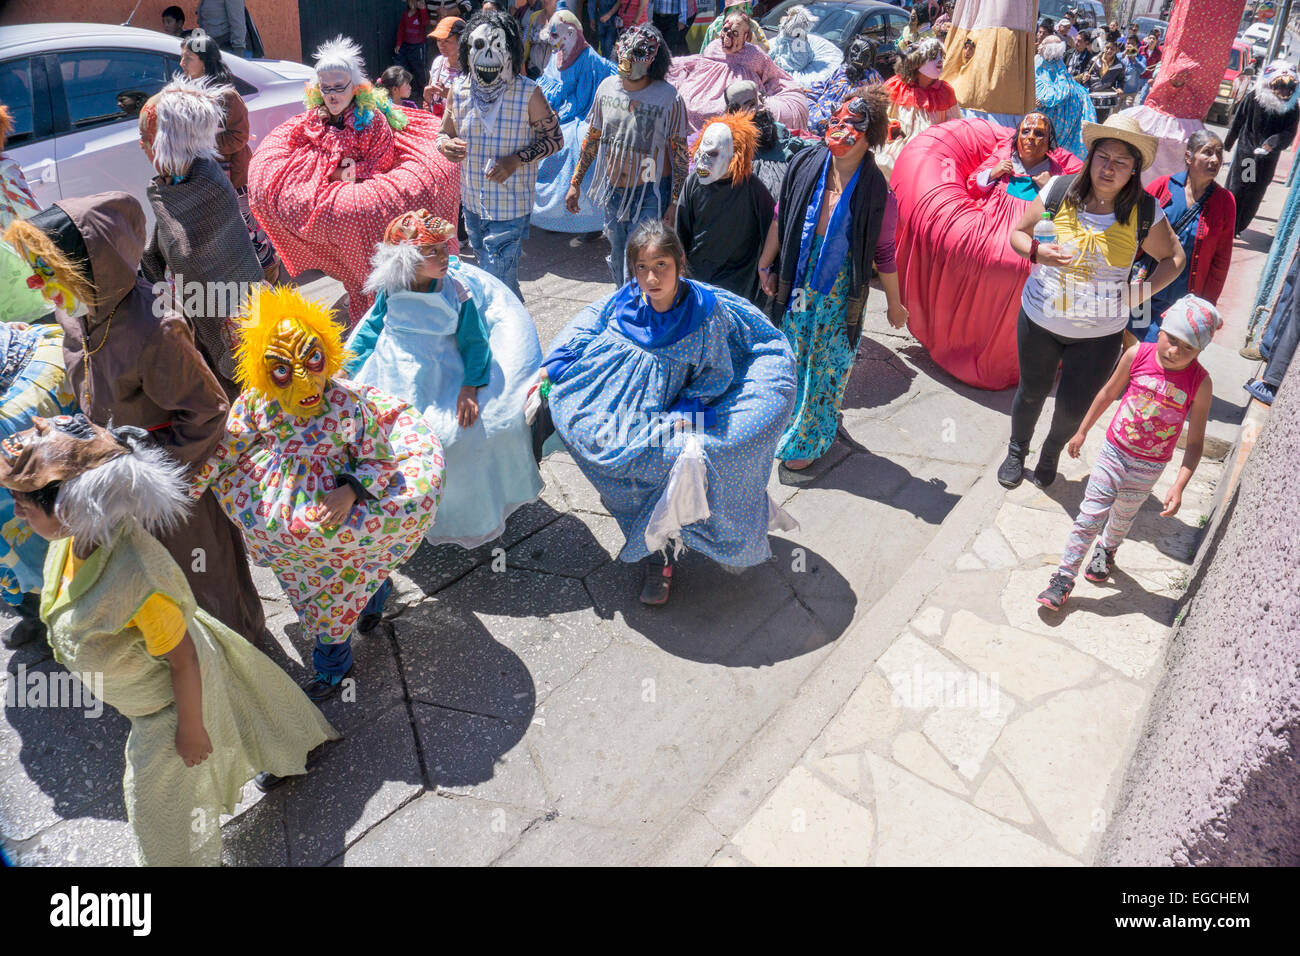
835 218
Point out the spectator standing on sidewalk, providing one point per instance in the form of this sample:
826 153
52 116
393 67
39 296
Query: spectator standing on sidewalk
669 16
1160 386
410 47
446 67
1077 299
603 16
1284 339
223 20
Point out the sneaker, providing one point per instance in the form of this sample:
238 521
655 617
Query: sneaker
1058 592
1045 470
323 686
658 582
1262 391
1251 352
1012 470
1102 563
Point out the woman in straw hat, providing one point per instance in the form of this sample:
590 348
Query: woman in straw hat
1077 298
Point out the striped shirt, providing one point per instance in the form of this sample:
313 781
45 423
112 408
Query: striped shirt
500 131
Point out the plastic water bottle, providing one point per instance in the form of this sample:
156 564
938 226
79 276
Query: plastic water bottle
1045 230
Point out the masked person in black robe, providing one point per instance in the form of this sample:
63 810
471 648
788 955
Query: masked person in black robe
725 210
776 144
1265 123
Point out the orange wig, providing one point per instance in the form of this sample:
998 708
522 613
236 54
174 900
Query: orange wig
6 125
744 140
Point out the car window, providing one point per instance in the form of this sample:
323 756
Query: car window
836 24
108 86
16 88
1234 60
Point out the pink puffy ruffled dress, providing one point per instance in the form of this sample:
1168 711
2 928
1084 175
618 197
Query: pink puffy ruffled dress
702 81
333 226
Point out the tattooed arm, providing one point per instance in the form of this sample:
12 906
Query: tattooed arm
587 156
547 139
680 157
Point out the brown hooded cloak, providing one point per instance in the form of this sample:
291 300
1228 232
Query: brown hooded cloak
133 362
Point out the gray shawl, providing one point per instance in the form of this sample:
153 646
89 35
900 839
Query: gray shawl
200 237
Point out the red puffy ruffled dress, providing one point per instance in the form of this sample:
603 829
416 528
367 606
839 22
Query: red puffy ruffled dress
333 226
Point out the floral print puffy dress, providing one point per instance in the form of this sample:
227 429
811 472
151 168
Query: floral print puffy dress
273 469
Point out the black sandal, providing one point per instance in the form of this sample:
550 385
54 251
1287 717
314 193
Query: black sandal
658 582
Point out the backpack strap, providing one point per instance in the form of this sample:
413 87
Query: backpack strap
1146 216
1056 194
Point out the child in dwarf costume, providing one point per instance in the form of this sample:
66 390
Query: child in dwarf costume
454 341
334 483
208 710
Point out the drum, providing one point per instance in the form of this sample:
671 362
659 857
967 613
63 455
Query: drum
1105 104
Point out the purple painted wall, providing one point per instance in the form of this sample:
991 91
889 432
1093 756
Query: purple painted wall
1215 779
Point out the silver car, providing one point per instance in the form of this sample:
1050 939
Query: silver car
75 90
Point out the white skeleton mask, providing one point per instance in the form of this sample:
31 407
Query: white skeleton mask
714 153
562 34
489 55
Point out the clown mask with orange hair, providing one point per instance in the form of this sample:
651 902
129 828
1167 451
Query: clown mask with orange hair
725 149
289 349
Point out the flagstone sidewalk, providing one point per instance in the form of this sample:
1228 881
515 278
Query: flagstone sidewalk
992 730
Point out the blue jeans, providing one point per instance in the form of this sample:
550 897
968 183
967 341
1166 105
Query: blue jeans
335 660
654 203
497 246
606 34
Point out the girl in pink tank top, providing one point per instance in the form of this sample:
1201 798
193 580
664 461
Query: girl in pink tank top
1160 386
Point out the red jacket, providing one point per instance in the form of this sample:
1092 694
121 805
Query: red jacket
413 27
1212 249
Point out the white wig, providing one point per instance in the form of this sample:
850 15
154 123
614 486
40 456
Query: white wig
392 267
1052 48
190 115
797 17
147 484
342 54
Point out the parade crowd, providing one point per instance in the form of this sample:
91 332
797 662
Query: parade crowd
156 441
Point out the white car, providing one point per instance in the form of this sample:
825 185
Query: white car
75 89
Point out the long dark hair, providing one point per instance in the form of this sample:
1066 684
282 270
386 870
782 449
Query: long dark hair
1129 193
207 50
655 234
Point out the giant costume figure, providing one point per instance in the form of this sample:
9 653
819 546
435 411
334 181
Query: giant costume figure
325 184
995 83
1195 53
1061 98
918 99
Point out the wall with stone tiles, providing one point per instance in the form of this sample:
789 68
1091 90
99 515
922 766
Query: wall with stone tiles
1215 779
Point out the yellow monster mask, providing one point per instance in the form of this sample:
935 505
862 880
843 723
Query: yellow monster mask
289 350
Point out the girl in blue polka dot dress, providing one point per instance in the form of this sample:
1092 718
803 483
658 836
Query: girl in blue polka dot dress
665 357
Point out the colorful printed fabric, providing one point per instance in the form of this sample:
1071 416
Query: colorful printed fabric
31 375
827 96
16 199
316 223
1154 407
272 471
1117 487
1193 58
823 358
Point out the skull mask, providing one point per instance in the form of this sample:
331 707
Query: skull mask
713 153
489 55
848 127
636 50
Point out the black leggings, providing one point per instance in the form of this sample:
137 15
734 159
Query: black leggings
1085 364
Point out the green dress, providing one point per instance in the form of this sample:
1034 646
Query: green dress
255 716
